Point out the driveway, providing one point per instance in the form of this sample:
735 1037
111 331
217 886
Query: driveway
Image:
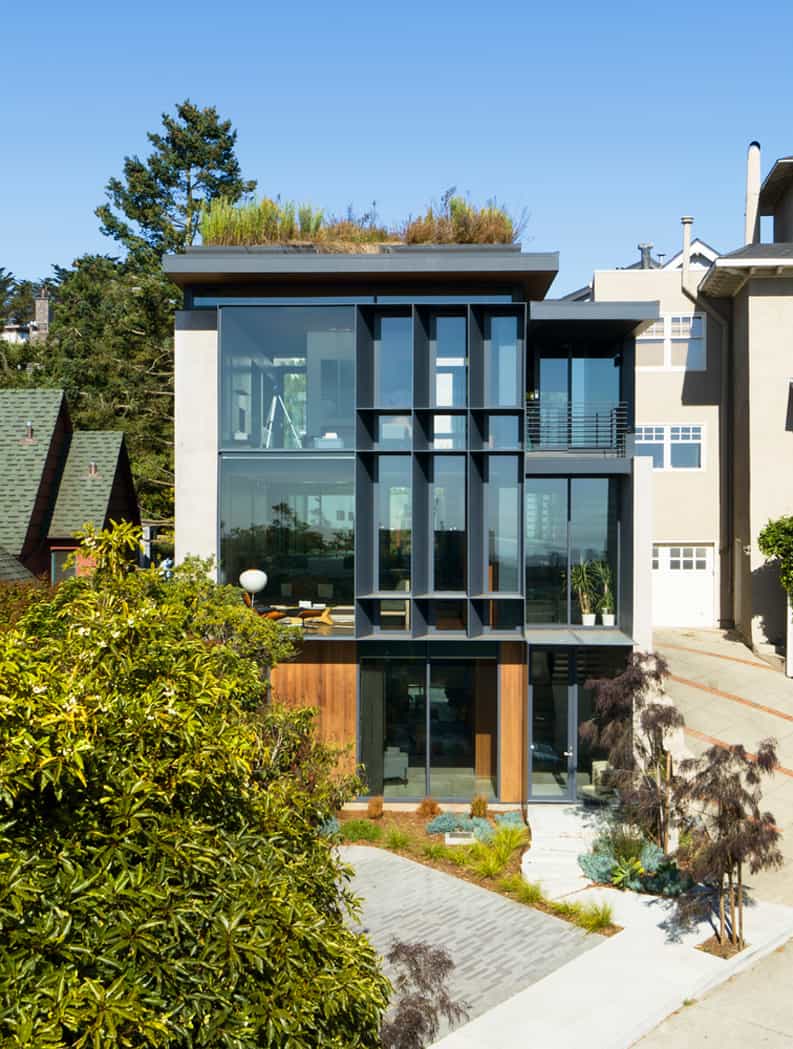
729 695
499 947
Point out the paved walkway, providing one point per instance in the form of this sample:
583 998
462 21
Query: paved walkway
499 947
712 680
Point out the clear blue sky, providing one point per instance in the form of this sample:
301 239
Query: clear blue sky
607 122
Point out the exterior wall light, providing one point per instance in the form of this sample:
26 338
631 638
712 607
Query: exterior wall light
253 581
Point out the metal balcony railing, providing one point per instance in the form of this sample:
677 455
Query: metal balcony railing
578 427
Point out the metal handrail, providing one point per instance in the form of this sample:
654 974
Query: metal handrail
585 426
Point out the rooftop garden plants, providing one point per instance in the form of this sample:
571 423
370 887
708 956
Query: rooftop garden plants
268 221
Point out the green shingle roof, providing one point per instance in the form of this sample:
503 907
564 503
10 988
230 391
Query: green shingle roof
21 460
82 496
11 570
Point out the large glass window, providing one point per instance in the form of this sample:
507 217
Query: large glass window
393 730
458 758
448 522
287 377
294 520
546 549
448 355
550 727
593 546
502 352
502 520
570 549
394 516
393 361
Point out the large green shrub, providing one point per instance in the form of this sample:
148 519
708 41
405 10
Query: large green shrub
163 881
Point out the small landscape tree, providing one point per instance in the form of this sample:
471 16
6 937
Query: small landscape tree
421 996
633 723
721 791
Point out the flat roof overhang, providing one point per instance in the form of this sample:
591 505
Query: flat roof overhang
484 265
604 323
776 182
727 276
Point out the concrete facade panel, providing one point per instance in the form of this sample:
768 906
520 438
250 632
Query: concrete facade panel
196 428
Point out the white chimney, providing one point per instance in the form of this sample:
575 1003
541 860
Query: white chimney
687 220
752 226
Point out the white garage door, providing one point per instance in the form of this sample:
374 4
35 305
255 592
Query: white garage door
683 586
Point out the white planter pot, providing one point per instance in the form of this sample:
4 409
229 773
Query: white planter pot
588 618
607 618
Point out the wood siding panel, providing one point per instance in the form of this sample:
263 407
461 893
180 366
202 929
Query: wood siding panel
512 668
324 675
486 719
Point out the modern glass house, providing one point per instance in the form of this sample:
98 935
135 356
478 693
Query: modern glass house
434 466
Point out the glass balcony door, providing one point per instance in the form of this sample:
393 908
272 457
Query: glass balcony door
578 394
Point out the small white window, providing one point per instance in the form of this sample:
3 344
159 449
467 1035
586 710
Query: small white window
656 559
672 447
675 342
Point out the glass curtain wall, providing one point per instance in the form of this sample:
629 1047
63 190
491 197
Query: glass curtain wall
545 544
429 727
393 361
394 516
570 543
294 519
448 522
502 348
287 377
448 360
502 523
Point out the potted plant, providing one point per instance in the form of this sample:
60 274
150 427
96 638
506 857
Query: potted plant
602 573
583 584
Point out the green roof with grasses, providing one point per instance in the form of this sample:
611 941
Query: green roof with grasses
266 221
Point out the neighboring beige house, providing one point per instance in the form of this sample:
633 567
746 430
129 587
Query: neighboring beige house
714 409
679 396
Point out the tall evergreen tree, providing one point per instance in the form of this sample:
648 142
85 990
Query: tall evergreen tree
7 284
156 206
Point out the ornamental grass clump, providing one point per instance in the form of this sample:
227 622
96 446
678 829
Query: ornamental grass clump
164 879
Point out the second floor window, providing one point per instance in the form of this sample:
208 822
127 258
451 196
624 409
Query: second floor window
675 342
671 447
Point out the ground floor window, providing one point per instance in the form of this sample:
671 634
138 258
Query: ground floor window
429 727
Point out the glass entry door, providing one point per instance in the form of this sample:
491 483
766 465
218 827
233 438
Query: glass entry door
552 741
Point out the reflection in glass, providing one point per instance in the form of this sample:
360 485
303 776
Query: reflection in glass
550 743
293 520
394 727
546 549
502 615
287 377
393 507
593 539
502 522
394 616
463 728
591 760
448 432
448 522
394 432
503 431
448 354
393 361
502 348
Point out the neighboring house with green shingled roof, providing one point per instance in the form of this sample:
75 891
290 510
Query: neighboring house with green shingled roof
11 570
54 479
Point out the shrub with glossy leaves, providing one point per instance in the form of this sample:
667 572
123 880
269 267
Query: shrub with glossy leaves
163 881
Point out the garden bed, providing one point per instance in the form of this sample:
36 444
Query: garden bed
405 833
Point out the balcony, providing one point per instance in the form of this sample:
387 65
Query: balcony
582 428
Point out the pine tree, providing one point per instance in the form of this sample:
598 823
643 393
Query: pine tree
156 206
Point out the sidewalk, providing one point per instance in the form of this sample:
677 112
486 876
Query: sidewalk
613 995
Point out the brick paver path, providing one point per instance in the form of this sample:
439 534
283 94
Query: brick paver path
498 946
